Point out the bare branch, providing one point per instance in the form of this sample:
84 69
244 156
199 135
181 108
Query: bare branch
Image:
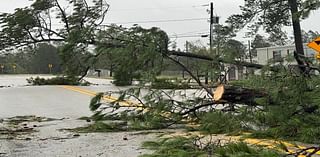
103 13
64 16
191 74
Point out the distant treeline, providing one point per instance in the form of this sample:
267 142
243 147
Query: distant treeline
42 59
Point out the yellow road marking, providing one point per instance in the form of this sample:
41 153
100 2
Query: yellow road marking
79 90
126 103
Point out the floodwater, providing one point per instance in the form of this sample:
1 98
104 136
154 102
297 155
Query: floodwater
48 138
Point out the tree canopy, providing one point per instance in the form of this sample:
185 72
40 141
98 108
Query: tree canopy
272 16
77 28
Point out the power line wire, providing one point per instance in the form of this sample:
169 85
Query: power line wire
162 8
198 31
188 36
159 21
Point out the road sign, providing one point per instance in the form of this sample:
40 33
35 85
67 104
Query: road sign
50 67
2 67
316 46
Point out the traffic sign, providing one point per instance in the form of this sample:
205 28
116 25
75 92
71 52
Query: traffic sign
315 44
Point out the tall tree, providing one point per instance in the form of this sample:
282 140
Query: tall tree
138 53
36 24
45 60
258 42
222 35
272 15
233 50
82 28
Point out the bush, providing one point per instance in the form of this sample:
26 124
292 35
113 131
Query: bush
165 83
57 81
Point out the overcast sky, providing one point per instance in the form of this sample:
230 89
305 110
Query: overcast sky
189 14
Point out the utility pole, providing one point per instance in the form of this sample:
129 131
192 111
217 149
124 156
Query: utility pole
211 24
187 50
250 55
210 38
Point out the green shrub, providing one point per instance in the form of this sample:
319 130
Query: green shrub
166 83
61 80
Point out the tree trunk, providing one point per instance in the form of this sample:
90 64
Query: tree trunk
111 70
297 34
206 78
237 95
84 73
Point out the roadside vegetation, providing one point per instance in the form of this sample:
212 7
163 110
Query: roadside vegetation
281 102
58 80
186 147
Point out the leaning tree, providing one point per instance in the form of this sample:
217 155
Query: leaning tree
273 15
78 29
70 24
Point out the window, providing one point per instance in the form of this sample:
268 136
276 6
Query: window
277 56
240 72
232 73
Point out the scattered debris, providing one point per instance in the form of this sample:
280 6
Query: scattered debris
19 126
5 87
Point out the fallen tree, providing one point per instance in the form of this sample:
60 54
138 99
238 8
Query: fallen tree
237 95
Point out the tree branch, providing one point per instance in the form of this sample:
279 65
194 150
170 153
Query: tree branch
203 57
64 16
191 74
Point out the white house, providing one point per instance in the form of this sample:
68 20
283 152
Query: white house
266 54
277 53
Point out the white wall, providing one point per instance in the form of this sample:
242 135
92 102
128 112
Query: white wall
265 54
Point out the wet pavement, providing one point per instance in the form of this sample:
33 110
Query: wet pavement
49 140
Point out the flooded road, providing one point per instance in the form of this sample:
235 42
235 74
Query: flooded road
48 139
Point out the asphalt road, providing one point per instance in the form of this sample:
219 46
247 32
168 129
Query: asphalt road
60 102
51 101
66 104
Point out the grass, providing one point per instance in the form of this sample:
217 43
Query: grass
100 126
